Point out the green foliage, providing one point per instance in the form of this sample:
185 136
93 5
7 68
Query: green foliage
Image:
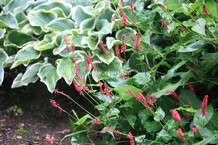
168 44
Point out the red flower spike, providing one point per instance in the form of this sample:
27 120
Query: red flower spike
67 44
140 97
117 51
89 59
49 139
96 122
79 78
154 97
73 47
162 7
124 19
106 52
107 128
124 76
204 105
132 37
78 88
101 88
137 42
56 105
150 102
122 1
132 7
131 140
116 132
123 47
180 134
134 22
194 130
176 116
106 90
191 88
176 97
164 24
205 11
86 68
130 93
120 8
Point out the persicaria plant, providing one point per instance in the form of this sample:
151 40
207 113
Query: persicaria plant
163 55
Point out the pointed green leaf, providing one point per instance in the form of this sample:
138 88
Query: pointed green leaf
65 69
104 58
111 42
83 119
8 20
86 25
25 55
18 39
199 27
17 81
90 41
159 114
104 27
131 119
3 57
48 75
193 46
60 24
122 91
163 136
30 75
2 33
46 44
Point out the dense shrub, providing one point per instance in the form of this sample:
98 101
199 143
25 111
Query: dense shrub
134 60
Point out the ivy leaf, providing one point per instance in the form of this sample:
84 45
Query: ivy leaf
122 91
131 119
199 27
159 114
48 75
163 136
193 46
65 68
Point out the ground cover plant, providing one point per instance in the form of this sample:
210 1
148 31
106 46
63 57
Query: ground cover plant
148 67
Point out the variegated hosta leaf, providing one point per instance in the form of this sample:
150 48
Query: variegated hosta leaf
126 32
3 57
63 6
104 58
2 33
8 20
104 27
86 25
17 81
83 2
90 41
16 6
18 39
65 69
30 75
48 75
60 24
47 43
41 18
112 42
25 55
79 15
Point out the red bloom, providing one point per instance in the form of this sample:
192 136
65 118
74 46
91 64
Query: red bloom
134 22
162 7
106 90
132 37
117 50
122 1
132 7
89 59
130 93
86 69
67 44
175 116
106 52
116 132
79 78
78 88
154 97
101 88
191 88
150 102
204 105
176 97
142 99
56 105
73 47
124 19
205 11
180 134
164 24
137 42
123 47
131 140
96 122
76 68
194 130
50 139
124 76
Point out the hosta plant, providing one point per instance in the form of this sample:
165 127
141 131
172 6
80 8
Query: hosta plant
136 61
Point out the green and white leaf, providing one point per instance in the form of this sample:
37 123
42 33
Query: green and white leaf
46 44
60 24
17 81
2 33
199 27
3 58
16 6
8 20
104 58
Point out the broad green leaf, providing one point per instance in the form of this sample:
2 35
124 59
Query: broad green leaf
141 78
107 59
83 2
200 120
131 119
113 112
139 139
17 81
16 6
146 38
212 7
60 24
83 119
3 58
143 116
86 25
52 5
65 69
209 61
30 75
122 91
48 75
152 126
159 114
163 136
18 39
193 46
199 27
104 27
2 33
173 5
212 139
8 20
25 55
111 42
90 41
79 15
41 18
45 44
